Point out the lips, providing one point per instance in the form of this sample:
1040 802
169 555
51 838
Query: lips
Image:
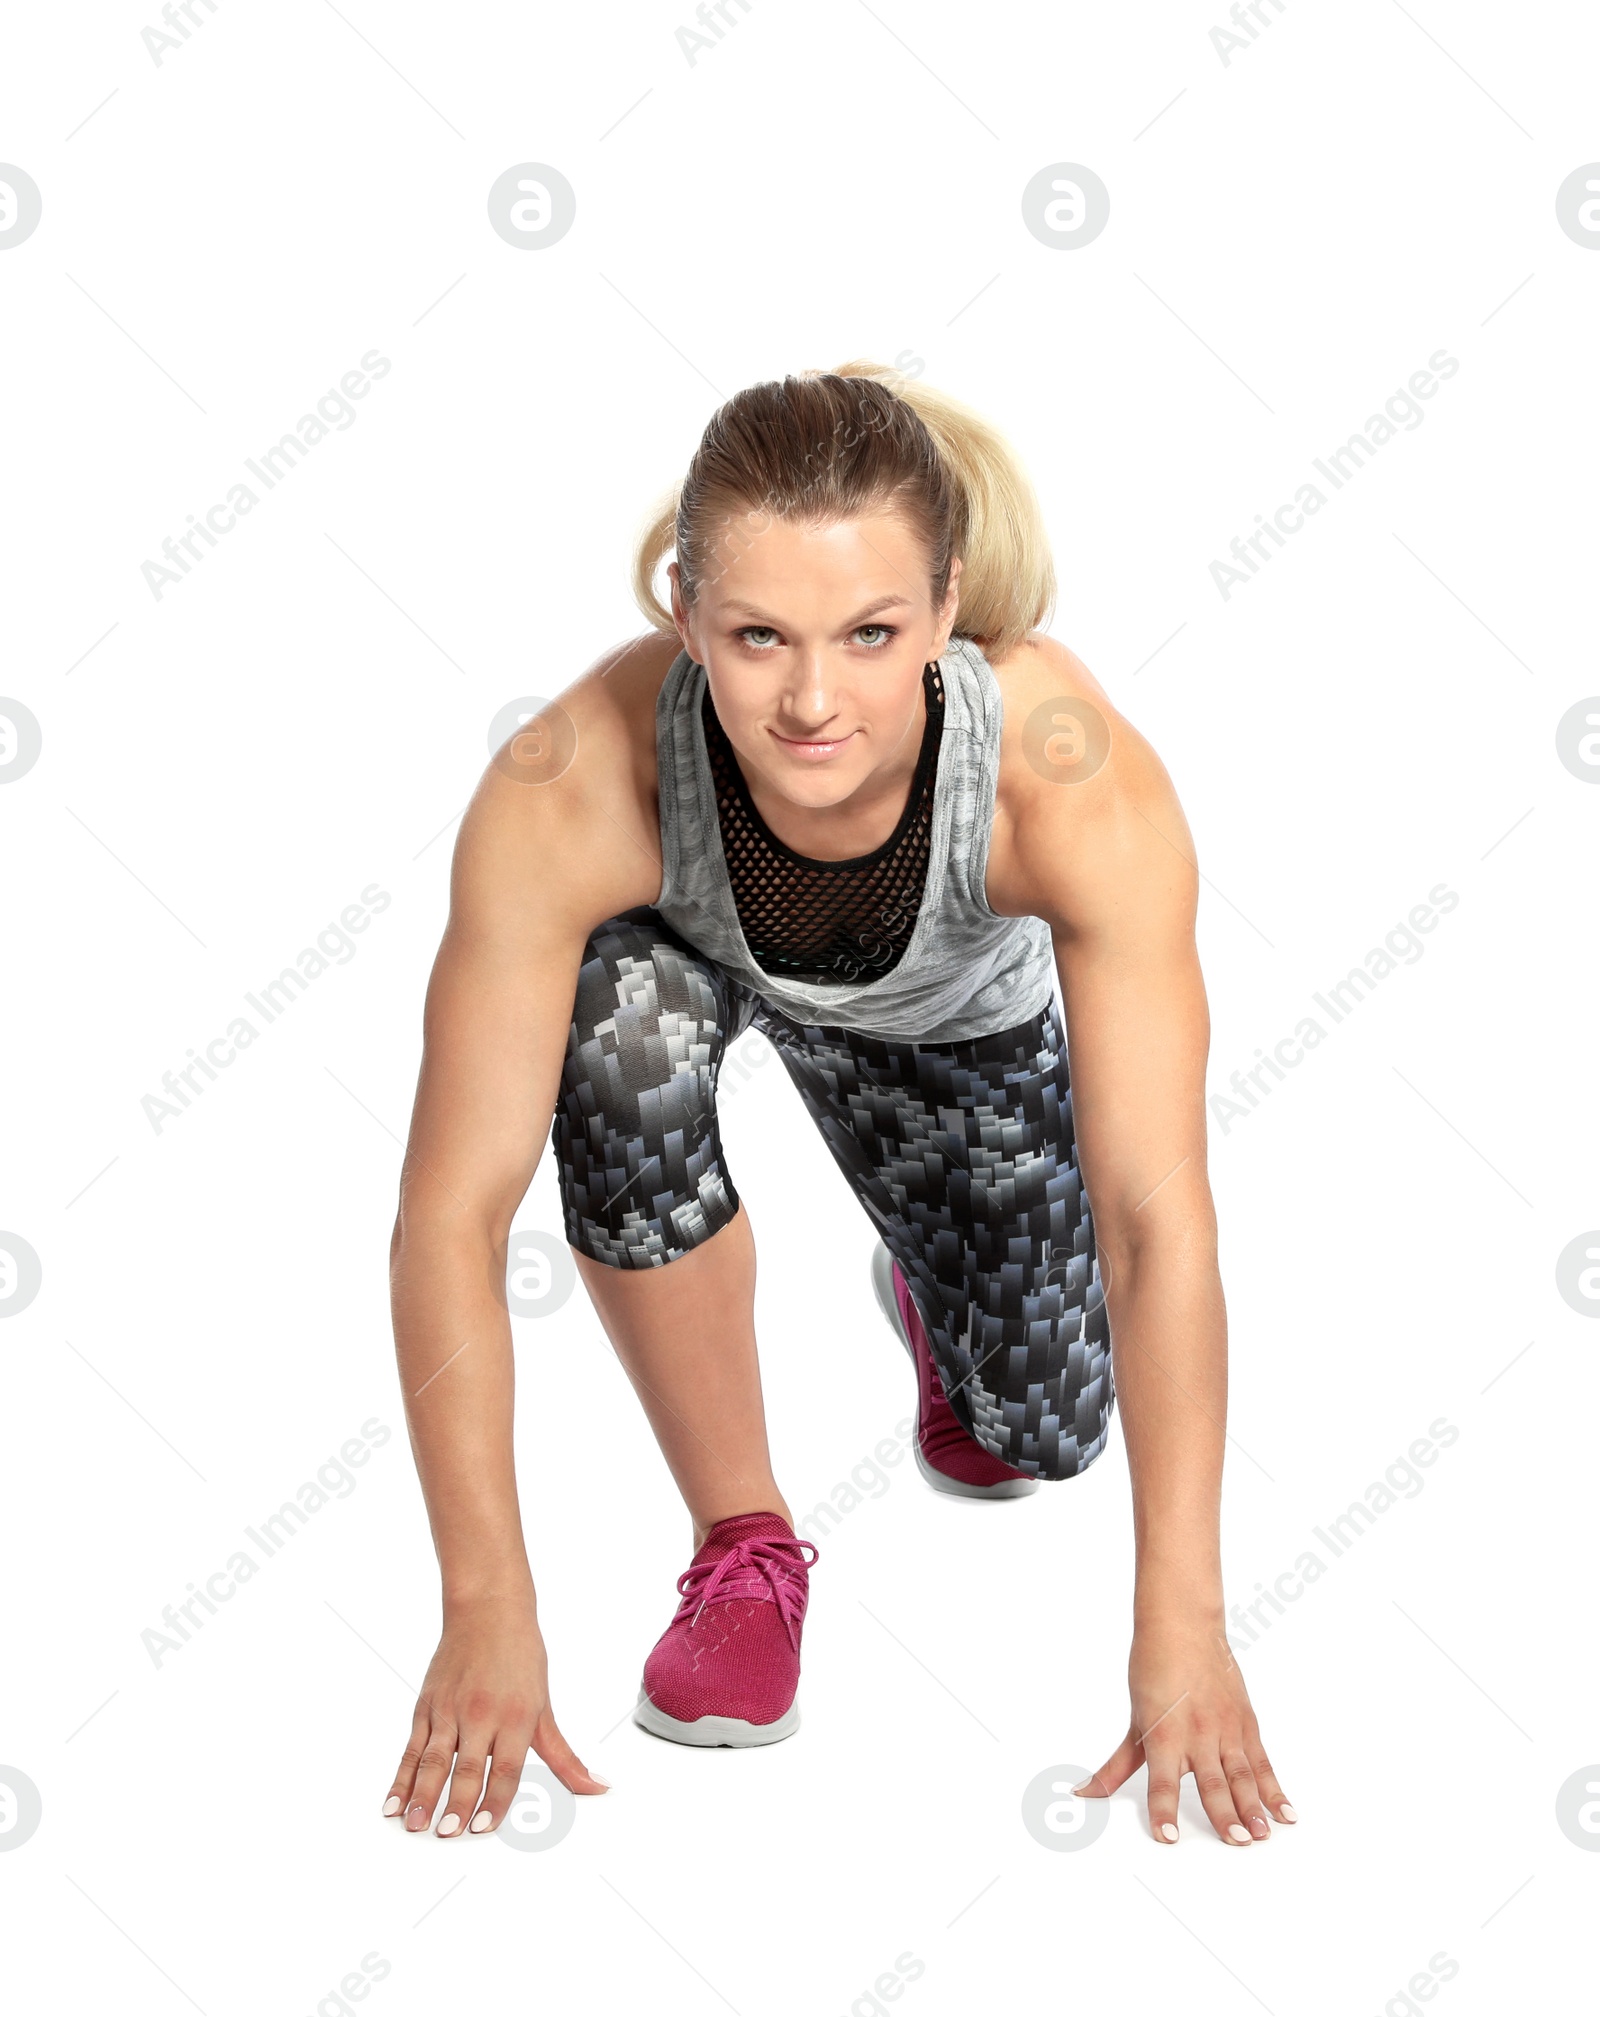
811 751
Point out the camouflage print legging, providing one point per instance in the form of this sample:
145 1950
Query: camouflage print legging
961 1154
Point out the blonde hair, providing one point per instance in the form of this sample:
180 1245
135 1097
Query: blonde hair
819 446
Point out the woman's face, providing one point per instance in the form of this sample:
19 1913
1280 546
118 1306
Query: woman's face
813 640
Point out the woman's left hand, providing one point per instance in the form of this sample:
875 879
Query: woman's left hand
1191 1714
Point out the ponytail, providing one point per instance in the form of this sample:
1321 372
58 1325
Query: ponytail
820 446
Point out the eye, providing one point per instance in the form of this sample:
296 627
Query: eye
749 629
889 634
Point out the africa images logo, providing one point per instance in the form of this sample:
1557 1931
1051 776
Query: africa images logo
1401 410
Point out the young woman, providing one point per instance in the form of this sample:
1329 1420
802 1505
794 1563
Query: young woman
848 793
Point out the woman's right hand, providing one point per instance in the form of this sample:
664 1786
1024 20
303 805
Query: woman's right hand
485 1702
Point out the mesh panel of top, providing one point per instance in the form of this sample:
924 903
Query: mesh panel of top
822 921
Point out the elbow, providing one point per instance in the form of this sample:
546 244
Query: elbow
1180 1232
424 1230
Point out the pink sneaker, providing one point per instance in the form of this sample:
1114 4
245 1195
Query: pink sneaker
726 1669
947 1456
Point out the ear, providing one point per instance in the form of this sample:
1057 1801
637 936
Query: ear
680 613
948 608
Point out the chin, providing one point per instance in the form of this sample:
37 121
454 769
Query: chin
815 786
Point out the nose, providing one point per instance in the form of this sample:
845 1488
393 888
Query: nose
809 701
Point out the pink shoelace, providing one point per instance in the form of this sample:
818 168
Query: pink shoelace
765 1569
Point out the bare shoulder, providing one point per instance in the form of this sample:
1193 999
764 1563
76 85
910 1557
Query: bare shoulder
612 709
1085 812
566 810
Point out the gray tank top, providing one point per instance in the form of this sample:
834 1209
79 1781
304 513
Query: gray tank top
967 972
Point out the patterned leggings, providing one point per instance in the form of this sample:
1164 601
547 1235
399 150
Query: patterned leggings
961 1154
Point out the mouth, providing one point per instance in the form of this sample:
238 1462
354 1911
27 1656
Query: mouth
812 750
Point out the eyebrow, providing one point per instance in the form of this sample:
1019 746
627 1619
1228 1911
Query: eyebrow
861 616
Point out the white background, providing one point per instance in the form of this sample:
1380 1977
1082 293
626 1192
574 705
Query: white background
1292 234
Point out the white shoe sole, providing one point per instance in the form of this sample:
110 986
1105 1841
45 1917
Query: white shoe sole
731 1731
883 1289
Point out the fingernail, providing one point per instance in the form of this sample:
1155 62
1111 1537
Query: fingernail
1287 1813
1259 1828
1236 1833
1083 1786
1169 1831
417 1816
392 1804
450 1825
600 1782
480 1822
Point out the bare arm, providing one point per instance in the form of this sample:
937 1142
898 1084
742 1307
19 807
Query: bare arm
1122 907
536 867
1109 862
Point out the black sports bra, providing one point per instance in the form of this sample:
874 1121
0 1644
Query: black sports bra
822 921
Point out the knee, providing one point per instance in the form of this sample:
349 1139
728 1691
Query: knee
639 981
1064 1456
1039 1444
1075 1405
620 969
1051 1420
1065 1438
665 1229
